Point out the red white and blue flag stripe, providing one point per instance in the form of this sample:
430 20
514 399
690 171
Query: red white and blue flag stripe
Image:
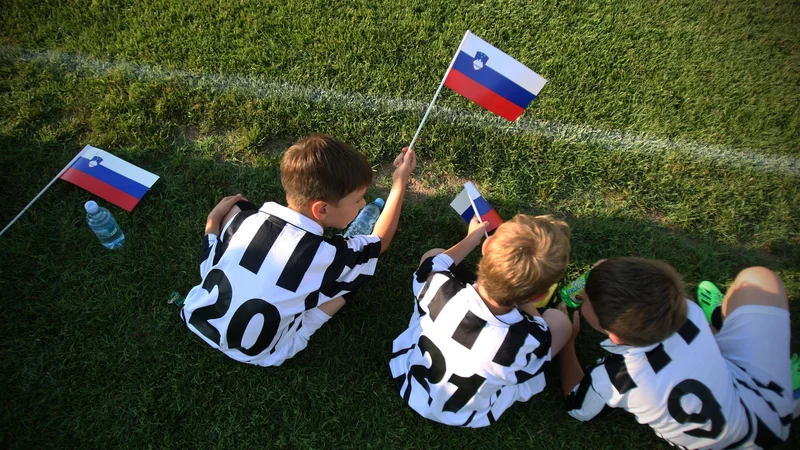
463 204
109 177
492 79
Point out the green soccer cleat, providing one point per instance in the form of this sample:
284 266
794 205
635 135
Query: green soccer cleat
795 372
709 297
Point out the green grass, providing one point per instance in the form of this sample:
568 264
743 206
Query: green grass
94 357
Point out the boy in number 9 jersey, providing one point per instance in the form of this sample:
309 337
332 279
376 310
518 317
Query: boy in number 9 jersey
697 386
471 351
270 278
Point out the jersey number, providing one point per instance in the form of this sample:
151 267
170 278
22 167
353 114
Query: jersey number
241 318
710 411
467 387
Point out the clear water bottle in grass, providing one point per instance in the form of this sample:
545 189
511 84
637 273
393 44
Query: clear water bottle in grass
104 226
365 221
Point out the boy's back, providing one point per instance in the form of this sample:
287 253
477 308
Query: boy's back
266 272
468 366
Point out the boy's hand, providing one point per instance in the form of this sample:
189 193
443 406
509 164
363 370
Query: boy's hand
477 230
405 163
576 320
218 213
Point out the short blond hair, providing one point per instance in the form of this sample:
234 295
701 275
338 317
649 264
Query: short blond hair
526 255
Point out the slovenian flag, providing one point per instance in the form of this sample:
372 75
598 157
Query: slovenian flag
463 204
109 177
492 79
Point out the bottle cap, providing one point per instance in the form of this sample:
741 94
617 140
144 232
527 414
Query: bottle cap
379 201
91 207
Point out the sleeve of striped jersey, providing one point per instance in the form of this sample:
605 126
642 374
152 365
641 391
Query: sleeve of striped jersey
586 400
438 263
207 254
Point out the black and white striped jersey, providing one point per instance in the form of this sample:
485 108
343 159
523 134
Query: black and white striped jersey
686 391
267 268
459 364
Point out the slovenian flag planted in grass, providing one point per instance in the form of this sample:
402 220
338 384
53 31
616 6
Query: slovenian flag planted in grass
463 206
492 79
109 177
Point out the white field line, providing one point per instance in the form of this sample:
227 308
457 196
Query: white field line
259 87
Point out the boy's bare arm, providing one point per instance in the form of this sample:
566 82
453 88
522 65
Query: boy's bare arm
386 225
473 239
571 370
217 215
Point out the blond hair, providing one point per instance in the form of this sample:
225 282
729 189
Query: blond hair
525 256
319 167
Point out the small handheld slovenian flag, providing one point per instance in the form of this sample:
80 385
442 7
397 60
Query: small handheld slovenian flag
492 79
109 177
463 204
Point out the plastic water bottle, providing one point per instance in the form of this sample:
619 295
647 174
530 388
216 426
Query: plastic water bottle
569 293
365 221
104 226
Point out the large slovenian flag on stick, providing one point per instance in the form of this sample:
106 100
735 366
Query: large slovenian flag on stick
492 79
109 177
470 199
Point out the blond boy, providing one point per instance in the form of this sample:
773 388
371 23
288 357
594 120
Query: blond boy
472 350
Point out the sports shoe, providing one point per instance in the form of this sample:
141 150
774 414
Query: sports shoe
709 297
796 385
546 301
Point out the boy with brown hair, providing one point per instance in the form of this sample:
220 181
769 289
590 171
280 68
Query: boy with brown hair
472 350
270 277
696 386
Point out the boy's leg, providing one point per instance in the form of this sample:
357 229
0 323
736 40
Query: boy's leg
755 286
755 333
332 307
312 320
559 325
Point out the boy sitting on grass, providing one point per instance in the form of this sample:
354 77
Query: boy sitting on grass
271 279
697 386
472 350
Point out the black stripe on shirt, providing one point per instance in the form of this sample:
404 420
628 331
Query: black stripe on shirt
446 291
225 239
512 342
299 262
746 436
205 249
402 352
469 329
469 419
689 331
618 373
772 386
575 398
331 274
424 270
658 358
261 244
765 438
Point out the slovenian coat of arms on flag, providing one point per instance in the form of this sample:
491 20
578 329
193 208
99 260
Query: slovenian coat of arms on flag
492 79
470 199
109 177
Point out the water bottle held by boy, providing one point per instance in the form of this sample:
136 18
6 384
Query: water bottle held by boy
365 221
569 293
104 226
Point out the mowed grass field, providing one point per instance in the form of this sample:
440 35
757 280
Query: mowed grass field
667 130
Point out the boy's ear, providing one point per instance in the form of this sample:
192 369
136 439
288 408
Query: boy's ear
319 209
615 339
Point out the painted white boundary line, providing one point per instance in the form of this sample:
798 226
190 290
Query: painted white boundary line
259 87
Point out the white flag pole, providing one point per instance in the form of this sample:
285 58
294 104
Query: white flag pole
447 72
42 192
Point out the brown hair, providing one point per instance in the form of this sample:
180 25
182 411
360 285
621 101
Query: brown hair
642 301
319 167
525 257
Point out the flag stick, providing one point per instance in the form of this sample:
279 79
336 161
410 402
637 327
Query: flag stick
40 193
428 111
477 214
